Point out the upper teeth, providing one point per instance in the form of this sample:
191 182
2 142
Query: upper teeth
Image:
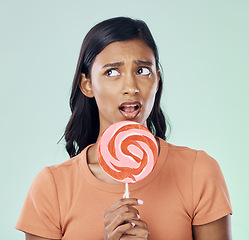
132 105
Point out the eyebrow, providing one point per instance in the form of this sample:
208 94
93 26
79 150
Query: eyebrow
139 62
118 64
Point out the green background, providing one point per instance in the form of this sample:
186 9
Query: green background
203 47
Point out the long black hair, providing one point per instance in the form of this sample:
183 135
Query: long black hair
83 126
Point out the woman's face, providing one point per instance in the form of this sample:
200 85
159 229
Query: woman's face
124 82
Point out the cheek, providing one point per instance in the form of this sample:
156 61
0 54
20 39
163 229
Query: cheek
150 98
151 91
103 93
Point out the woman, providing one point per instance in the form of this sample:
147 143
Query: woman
185 196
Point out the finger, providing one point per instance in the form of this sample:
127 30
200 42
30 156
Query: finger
123 209
140 223
120 230
122 202
140 229
122 218
129 237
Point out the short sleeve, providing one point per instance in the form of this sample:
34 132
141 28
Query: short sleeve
40 214
210 194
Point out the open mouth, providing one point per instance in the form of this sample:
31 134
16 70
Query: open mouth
130 109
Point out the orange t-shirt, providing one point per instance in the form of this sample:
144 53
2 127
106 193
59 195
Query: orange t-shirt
185 188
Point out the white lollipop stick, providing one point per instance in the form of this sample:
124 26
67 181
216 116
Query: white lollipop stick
126 194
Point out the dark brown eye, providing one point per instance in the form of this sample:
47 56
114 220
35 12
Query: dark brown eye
143 71
112 73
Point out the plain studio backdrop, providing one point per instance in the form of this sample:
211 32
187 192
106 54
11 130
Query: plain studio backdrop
203 47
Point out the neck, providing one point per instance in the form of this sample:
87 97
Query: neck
92 154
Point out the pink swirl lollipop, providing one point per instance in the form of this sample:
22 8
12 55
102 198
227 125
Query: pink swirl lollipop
127 151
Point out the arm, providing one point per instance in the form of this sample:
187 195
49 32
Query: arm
34 237
217 230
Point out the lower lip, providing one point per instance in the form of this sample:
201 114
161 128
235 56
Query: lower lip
130 115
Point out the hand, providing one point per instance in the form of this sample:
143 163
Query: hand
122 221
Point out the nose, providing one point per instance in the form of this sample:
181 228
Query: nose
130 86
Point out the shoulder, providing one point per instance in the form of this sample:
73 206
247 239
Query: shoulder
196 164
174 149
48 174
59 174
187 154
203 165
178 155
66 166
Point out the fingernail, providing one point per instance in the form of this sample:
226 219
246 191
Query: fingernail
140 202
133 224
138 216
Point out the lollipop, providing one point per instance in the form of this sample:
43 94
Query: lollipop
127 152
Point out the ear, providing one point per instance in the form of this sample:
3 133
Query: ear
86 86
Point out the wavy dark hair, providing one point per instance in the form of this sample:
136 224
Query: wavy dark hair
83 126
